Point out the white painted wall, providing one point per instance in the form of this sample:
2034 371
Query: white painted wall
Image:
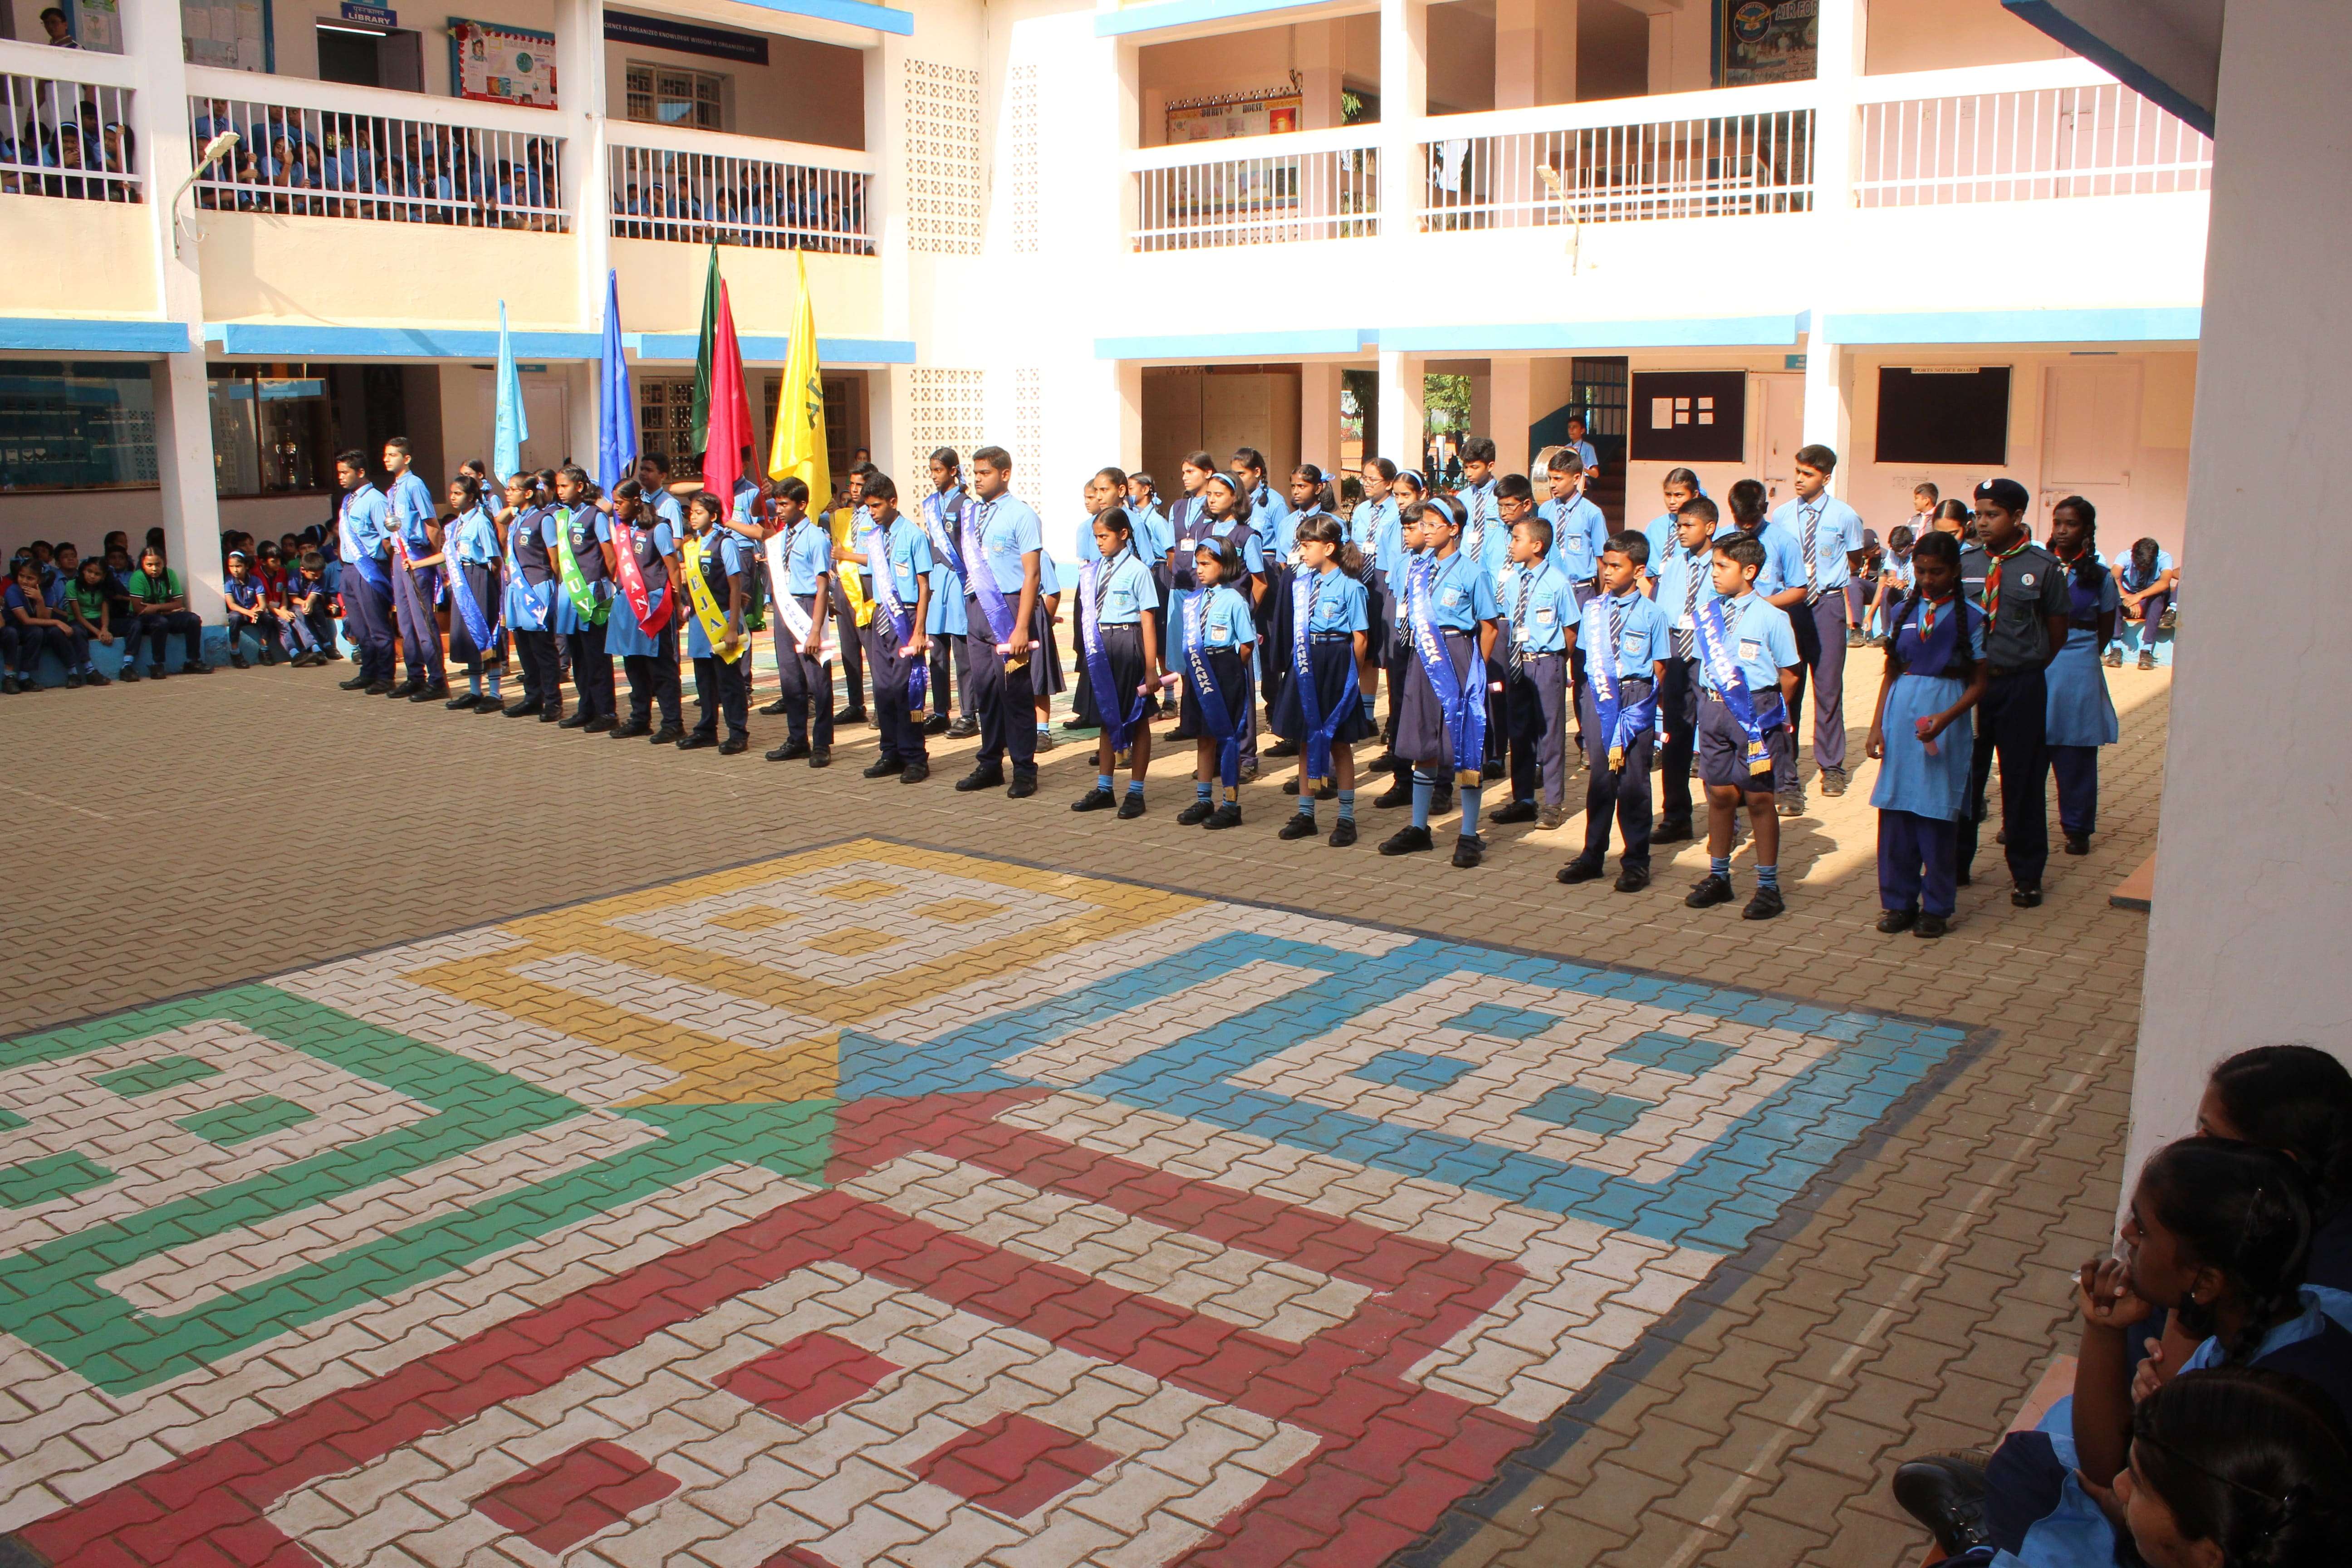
2253 876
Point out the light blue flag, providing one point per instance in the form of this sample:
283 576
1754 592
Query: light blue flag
514 425
616 408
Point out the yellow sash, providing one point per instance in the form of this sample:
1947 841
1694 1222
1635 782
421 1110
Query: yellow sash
706 608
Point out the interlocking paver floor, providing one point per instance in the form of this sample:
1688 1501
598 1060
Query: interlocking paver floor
882 1201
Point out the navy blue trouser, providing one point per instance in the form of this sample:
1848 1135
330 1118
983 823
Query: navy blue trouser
721 687
367 622
1623 794
1915 866
420 631
1678 702
592 671
2075 771
2012 723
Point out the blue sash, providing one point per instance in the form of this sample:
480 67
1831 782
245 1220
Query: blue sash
535 594
478 627
943 544
1320 726
1214 706
1465 721
887 602
982 582
1618 721
1715 647
1119 730
371 567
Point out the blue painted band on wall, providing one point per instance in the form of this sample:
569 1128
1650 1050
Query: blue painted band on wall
881 19
2046 18
72 335
759 348
275 342
2166 324
1164 13
1704 331
1239 346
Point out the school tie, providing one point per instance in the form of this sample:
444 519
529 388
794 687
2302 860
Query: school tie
1616 635
1518 650
1478 534
1685 635
1812 529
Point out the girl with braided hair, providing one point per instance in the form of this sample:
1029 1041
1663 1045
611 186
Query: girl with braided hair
2296 1100
2238 1468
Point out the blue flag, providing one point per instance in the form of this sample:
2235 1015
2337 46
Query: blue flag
514 425
616 408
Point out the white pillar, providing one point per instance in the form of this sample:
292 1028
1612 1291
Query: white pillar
1510 398
580 103
1518 60
1828 416
1319 68
1319 414
184 425
2246 940
1404 104
1404 419
1129 387
885 201
1838 74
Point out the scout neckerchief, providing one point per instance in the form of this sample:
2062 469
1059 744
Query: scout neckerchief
1992 577
982 581
371 567
534 595
1619 720
895 621
1320 726
1120 710
1224 723
594 611
1465 722
797 621
1928 640
478 625
707 611
1730 684
632 573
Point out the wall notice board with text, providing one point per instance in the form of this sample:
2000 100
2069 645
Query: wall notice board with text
1765 41
499 64
1234 114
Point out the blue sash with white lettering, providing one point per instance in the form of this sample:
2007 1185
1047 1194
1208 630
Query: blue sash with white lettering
1619 721
1320 726
1119 730
535 594
1465 721
1715 647
1214 705
935 511
478 627
982 582
877 549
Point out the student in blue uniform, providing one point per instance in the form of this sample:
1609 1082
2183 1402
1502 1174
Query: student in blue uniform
1579 443
804 632
1747 673
582 546
944 629
1921 737
1227 515
532 588
1451 621
1154 538
898 557
646 645
1490 504
1680 485
1684 581
1003 548
417 575
1217 642
1310 495
1580 531
361 526
1118 652
1188 521
1830 542
1372 527
469 540
310 608
2028 607
1782 584
1535 604
1627 645
245 604
2081 715
716 568
2146 582
37 620
1320 709
1894 582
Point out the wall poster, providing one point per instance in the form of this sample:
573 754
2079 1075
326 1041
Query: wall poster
1268 111
499 64
1763 40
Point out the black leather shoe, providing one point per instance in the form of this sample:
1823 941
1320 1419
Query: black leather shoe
1672 830
1579 870
522 710
464 700
1946 1492
979 778
435 692
1182 733
2078 843
1343 833
1931 926
667 735
580 719
789 752
1493 770
1300 826
1228 814
1708 891
1130 806
1407 840
964 728
696 741
1764 904
356 683
853 714
1468 851
1894 922
377 688
820 756
1517 811
882 768
406 688
1194 815
778 706
914 772
1281 749
1386 762
1094 800
1024 784
603 724
1396 794
551 714
630 731
2026 898
1633 878
937 724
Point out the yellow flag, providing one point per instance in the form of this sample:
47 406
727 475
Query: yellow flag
799 447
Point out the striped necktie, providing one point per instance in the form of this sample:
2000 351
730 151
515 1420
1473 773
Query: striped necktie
1616 635
1812 529
1517 655
1685 633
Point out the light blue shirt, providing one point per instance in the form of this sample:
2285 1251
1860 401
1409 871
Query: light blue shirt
1154 536
1337 603
1641 640
1762 644
411 510
2131 577
1784 558
1375 530
1550 600
746 496
1579 532
1253 550
367 516
1009 530
1837 529
1270 512
1485 538
1675 571
1462 593
669 508
1223 625
808 555
1124 590
1591 456
473 537
909 551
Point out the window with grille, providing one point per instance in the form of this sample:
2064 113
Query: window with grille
667 95
666 425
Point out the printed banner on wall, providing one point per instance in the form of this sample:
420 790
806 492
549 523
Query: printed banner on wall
501 64
1763 41
1262 113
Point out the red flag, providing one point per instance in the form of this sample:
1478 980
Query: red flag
730 410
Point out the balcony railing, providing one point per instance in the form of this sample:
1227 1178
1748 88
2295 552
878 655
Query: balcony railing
2104 141
1195 200
67 139
701 198
1729 166
320 163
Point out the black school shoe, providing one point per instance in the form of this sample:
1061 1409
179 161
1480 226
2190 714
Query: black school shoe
1194 813
1228 814
1764 905
1343 833
734 746
1131 805
1094 800
1579 870
236 661
580 719
601 724
914 772
1493 770
437 691
1024 784
551 714
1896 922
1468 851
524 710
1931 926
964 728
2026 898
789 752
194 668
695 740
381 688
1300 826
1281 749
1672 830
1633 878
406 688
1946 1492
778 706
630 731
1182 733
667 735
2078 843
1396 794
979 778
853 714
1708 891
882 768
821 756
463 701
1517 811
937 724
1407 840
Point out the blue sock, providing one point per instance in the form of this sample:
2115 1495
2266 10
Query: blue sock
494 683
1720 864
1470 812
1768 876
1135 787
1424 789
1199 789
473 681
1042 728
1307 804
1102 783
1347 806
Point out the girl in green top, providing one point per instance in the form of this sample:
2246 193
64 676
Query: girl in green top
161 605
85 598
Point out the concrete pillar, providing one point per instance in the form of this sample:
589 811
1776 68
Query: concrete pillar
1128 388
1404 419
1320 68
580 103
886 203
1319 414
1827 418
184 425
1510 397
1405 105
2251 883
1518 60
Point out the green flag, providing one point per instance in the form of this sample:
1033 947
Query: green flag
703 355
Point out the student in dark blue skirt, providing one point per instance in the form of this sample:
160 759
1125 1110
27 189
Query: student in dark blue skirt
1119 650
1216 639
1449 624
1328 645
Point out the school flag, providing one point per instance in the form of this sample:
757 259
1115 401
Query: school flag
708 346
799 447
729 428
513 425
616 405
